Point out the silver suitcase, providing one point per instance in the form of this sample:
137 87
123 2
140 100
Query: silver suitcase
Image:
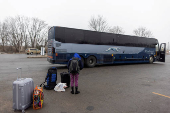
22 93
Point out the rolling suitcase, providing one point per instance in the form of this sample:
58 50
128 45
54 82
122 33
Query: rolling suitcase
22 93
65 78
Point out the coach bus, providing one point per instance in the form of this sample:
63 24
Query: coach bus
101 48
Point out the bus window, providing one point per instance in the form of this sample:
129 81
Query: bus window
69 35
133 40
74 35
142 42
108 39
51 33
59 34
118 40
79 36
150 42
92 37
123 40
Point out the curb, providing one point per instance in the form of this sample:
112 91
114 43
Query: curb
37 57
3 53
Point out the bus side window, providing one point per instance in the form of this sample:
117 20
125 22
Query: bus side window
108 39
92 37
142 42
133 41
59 34
79 36
69 35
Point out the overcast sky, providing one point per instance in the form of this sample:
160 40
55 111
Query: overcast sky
128 14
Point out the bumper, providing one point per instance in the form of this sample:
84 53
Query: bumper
50 60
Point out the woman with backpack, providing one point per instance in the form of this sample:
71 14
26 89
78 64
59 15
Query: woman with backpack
74 67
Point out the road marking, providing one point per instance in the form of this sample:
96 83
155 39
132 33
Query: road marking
160 94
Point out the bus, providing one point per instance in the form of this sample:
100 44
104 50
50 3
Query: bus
101 47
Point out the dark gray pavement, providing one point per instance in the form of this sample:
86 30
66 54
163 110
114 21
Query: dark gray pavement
126 88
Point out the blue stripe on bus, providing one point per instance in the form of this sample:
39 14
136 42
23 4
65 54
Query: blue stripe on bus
63 58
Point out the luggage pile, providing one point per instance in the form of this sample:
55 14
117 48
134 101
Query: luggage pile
24 87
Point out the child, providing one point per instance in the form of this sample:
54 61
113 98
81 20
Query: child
74 67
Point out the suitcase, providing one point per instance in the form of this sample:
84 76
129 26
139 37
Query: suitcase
22 93
65 78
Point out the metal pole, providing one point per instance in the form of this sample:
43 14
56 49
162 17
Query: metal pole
168 47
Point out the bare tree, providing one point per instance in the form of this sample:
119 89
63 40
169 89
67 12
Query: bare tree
42 38
143 32
23 23
3 34
98 24
16 32
116 30
20 30
35 29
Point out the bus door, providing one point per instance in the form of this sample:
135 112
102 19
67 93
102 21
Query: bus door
161 52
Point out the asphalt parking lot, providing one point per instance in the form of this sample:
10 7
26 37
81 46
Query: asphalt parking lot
127 88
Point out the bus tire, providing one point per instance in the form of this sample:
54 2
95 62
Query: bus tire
91 61
82 60
151 59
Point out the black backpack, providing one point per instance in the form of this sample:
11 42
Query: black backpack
51 79
74 65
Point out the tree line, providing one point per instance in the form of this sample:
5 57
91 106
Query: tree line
19 31
100 24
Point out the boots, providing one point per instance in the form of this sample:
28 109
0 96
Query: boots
77 92
72 88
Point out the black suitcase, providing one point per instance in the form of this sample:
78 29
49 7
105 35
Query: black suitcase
65 78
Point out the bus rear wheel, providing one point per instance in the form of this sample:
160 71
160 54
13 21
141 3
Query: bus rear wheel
151 59
91 61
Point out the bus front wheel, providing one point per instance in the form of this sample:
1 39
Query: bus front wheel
91 61
150 59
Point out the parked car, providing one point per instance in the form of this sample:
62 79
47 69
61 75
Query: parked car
32 51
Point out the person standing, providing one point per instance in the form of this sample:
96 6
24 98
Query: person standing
74 67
